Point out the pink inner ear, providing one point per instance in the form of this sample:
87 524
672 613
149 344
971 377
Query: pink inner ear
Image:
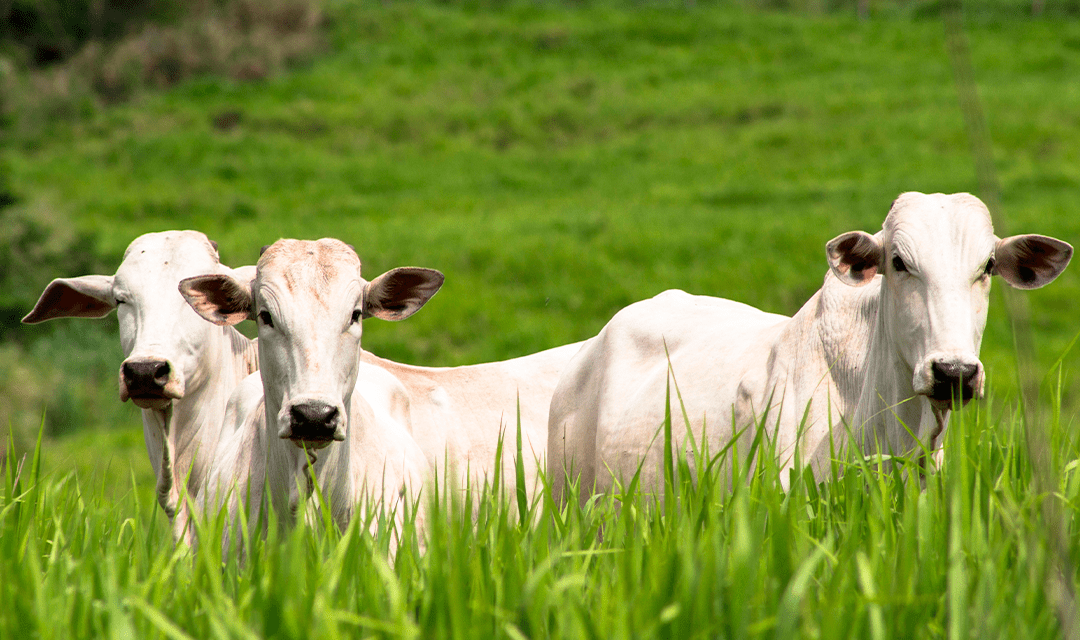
400 292
217 298
1031 261
857 268
855 257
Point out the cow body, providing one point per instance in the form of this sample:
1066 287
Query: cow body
773 367
459 414
178 369
875 358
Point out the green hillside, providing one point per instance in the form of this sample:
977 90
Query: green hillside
561 162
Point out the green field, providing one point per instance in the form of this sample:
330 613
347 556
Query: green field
869 553
557 162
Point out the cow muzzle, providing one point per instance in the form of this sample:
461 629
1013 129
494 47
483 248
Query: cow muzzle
312 423
949 379
150 383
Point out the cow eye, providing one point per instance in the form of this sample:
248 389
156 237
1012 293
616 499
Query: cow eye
990 264
356 316
264 317
898 264
120 301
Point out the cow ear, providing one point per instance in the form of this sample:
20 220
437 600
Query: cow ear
855 257
82 297
219 298
399 293
1031 261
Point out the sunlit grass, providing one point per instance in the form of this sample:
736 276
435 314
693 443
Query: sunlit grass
870 552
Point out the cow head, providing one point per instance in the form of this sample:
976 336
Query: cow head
308 299
936 255
161 337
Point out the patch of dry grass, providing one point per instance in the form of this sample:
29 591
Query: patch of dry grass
241 39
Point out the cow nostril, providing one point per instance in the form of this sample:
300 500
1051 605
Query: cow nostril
146 374
954 381
313 414
954 372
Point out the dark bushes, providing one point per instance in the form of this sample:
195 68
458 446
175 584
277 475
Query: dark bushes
59 61
49 31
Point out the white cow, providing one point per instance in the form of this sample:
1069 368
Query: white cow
891 336
459 414
178 369
312 393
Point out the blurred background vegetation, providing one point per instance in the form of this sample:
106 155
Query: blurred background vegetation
558 160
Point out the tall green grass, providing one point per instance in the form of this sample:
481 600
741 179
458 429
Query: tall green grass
876 550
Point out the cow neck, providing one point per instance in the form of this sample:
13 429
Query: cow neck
888 406
190 427
336 475
331 466
845 319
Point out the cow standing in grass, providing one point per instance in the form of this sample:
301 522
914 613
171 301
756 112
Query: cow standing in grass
313 401
880 353
458 416
179 369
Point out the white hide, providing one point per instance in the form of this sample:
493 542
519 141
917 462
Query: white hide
197 364
458 415
315 397
858 358
252 458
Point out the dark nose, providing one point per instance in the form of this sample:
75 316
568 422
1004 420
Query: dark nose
146 377
313 421
954 380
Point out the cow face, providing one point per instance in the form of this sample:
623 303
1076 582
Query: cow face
161 337
308 300
936 254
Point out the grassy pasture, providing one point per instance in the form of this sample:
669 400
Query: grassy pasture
867 554
557 163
